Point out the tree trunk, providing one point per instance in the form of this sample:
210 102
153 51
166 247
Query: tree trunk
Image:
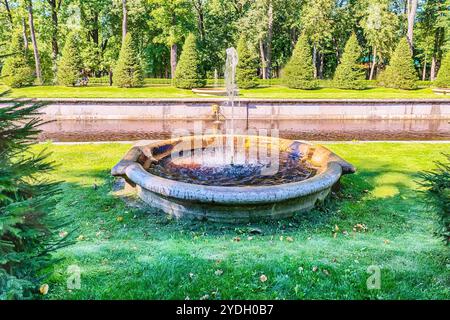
110 73
124 20
33 41
424 71
24 32
315 61
262 54
54 8
173 60
412 9
269 41
374 63
198 5
321 65
8 10
433 68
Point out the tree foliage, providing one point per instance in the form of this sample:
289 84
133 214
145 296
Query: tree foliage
188 74
128 71
350 73
400 73
70 65
443 78
17 70
28 232
246 76
299 71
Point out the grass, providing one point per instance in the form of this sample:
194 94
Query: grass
126 253
172 92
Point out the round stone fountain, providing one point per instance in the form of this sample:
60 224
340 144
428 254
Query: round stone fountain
231 178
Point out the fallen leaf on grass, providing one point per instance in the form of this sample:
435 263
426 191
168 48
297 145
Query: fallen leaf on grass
236 239
218 272
119 219
289 239
263 278
315 268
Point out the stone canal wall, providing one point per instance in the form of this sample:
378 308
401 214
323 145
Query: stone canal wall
255 109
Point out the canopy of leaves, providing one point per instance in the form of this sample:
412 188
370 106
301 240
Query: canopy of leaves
70 65
443 78
400 73
299 71
350 73
18 70
188 74
246 69
128 71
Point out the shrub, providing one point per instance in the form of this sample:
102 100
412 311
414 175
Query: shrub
400 73
299 71
443 78
70 65
18 69
28 228
349 73
437 193
128 71
188 74
246 69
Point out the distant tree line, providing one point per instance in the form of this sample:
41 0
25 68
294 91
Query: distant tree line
353 38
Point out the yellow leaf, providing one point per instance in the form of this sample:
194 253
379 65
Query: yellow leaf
44 289
119 218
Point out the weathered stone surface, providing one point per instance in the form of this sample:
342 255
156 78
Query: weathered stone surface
230 204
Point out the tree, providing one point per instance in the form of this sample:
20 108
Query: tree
29 230
379 26
173 19
411 13
349 73
124 20
17 70
246 69
299 71
400 72
55 6
318 25
188 74
128 71
70 65
443 78
37 60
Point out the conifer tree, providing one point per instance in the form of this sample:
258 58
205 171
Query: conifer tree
443 78
128 72
299 71
18 70
400 73
349 73
70 65
29 230
188 74
246 69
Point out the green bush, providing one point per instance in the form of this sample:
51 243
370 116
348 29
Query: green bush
400 73
18 69
128 71
436 185
28 229
299 71
246 69
350 74
188 74
70 65
443 78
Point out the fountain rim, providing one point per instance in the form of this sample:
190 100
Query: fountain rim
328 174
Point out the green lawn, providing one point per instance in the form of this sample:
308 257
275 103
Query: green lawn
125 253
171 92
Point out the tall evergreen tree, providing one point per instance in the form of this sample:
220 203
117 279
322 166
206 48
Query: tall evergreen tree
188 74
70 65
443 78
128 71
17 70
29 230
400 73
246 69
299 71
349 73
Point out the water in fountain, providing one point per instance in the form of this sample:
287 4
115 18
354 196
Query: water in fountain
230 80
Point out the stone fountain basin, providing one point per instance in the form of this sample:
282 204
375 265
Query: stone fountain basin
230 204
212 91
